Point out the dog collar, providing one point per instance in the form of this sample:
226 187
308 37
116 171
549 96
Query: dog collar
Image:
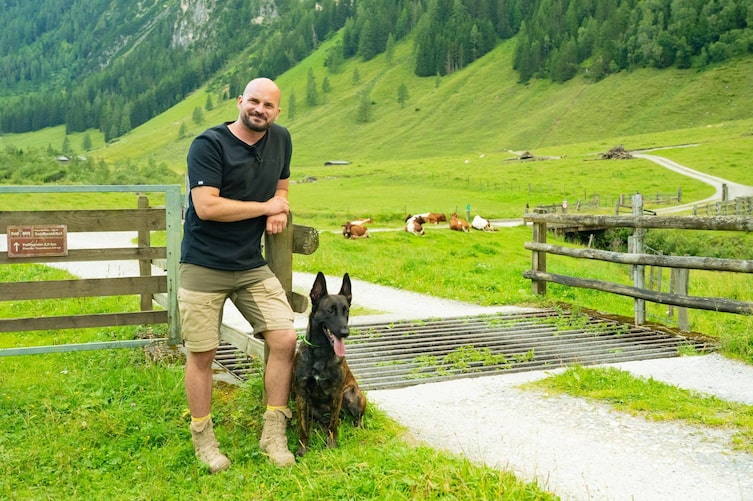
306 341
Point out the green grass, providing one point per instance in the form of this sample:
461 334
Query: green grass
653 400
114 425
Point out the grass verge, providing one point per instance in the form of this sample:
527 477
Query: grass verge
653 400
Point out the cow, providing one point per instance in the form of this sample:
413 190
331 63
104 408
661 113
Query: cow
482 224
414 224
458 224
433 217
351 230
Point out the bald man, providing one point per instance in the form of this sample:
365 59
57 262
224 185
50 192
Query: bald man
238 176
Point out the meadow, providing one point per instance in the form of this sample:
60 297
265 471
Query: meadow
114 424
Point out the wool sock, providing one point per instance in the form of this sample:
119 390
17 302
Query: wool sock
277 408
199 423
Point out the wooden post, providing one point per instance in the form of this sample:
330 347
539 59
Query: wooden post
637 246
680 286
145 265
278 251
538 258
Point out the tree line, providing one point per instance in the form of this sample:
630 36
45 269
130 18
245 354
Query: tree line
562 38
114 65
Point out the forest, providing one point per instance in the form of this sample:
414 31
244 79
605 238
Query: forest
111 66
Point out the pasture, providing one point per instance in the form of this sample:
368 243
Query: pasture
113 425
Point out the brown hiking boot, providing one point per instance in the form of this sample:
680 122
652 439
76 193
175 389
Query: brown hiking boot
206 447
274 442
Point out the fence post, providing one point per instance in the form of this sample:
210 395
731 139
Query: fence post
679 285
174 218
538 258
636 246
278 251
145 265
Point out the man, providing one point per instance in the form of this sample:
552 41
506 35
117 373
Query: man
238 179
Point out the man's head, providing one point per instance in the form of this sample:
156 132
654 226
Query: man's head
259 105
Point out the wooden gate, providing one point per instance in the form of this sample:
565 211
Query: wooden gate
40 236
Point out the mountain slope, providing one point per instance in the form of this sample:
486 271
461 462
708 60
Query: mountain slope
477 110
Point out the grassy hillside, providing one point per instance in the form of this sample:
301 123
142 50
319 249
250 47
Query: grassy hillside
479 110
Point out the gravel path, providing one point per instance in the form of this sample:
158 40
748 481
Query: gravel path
582 450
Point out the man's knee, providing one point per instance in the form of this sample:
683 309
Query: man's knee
202 360
282 342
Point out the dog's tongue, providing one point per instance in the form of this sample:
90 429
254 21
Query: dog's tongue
339 347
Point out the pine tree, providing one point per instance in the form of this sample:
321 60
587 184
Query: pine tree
312 94
402 94
291 106
86 142
364 108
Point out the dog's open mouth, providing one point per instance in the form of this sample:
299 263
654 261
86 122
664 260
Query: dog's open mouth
337 344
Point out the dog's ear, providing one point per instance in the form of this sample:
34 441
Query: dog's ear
319 290
345 288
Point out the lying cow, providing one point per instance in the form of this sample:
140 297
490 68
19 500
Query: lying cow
433 217
458 224
351 230
482 224
415 224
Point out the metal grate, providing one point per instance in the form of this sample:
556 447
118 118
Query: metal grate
402 354
393 355
237 363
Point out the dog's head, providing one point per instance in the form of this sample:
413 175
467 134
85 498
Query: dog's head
331 312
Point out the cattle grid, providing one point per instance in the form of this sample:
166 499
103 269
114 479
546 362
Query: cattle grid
399 354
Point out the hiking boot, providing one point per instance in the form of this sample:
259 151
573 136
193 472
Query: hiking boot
274 442
206 447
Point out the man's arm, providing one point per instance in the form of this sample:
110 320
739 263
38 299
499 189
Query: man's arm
277 222
211 206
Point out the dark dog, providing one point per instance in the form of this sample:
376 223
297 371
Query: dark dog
322 381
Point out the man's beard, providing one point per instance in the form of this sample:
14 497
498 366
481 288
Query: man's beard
253 126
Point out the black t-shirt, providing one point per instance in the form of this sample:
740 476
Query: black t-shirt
250 173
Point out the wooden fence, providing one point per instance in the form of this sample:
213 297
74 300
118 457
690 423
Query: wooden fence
40 236
637 258
740 206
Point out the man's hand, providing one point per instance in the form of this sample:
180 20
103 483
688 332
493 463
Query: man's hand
277 223
277 205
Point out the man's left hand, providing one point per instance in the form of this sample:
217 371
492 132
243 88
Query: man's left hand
277 223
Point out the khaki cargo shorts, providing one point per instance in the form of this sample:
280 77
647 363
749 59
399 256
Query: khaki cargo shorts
202 293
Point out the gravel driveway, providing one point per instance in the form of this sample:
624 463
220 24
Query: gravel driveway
583 450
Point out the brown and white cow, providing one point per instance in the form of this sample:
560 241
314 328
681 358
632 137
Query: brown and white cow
414 224
433 217
458 224
351 230
479 223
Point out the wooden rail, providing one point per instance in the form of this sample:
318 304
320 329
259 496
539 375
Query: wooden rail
637 258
